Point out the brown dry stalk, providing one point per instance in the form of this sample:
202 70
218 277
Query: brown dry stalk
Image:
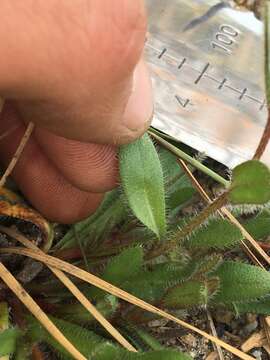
74 290
14 160
103 285
264 141
33 307
214 332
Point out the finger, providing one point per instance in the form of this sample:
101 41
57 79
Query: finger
89 167
39 180
71 66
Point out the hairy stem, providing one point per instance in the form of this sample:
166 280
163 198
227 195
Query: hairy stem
190 227
182 155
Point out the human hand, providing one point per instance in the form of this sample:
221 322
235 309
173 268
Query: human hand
75 69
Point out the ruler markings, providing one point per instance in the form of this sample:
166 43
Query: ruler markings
164 54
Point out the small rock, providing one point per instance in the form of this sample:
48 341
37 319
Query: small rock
189 340
257 354
158 323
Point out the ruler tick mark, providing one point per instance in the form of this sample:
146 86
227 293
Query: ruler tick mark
222 84
182 64
163 52
202 73
263 105
243 94
159 53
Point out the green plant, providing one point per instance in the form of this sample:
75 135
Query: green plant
154 252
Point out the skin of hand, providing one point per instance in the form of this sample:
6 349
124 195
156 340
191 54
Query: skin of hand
75 69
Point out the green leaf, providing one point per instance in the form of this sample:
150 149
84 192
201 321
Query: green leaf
93 346
179 189
143 184
250 184
180 196
140 338
151 285
77 313
191 293
84 340
96 227
207 265
123 266
259 226
164 355
4 316
259 307
217 234
108 352
241 282
8 340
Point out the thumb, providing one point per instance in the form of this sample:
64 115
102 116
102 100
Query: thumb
75 67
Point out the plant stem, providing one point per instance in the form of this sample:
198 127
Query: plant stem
182 155
190 227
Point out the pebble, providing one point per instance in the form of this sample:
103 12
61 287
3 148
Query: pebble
257 354
189 340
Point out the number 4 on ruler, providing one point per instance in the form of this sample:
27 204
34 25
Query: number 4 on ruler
182 101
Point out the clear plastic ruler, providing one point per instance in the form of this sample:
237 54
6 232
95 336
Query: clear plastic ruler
207 64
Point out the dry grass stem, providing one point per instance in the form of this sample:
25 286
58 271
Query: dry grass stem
214 332
16 157
103 285
264 141
33 307
74 290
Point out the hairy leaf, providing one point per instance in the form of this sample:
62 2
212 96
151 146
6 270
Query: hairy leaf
143 183
83 339
108 352
164 355
241 282
8 340
97 226
151 285
250 184
140 338
124 266
185 295
77 313
180 196
259 226
260 307
207 265
179 189
93 346
217 234
191 293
